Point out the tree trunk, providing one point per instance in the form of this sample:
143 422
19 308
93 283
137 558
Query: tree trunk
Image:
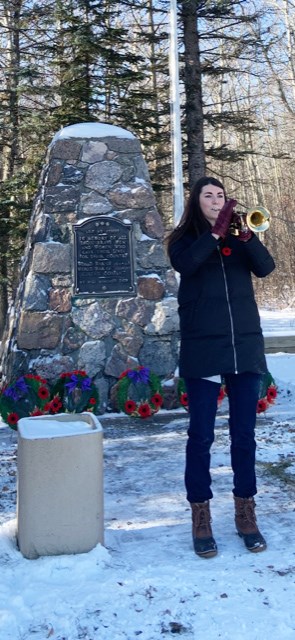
193 92
11 152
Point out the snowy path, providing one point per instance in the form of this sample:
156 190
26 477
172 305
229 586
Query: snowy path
148 583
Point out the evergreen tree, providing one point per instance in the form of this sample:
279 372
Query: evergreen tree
208 29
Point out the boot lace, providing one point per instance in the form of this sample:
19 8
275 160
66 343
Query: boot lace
246 513
201 520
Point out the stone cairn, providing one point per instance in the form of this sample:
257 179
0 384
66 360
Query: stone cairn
92 170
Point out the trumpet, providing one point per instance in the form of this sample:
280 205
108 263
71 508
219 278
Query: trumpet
257 219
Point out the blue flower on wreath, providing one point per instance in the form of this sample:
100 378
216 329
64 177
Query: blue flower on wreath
141 375
18 389
74 383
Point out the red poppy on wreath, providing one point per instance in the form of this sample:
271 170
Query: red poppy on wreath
144 410
124 373
55 405
12 419
157 400
262 405
183 399
222 394
271 394
43 393
130 406
92 401
226 251
182 394
30 376
37 412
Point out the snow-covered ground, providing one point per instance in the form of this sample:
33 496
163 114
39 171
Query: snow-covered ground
278 322
146 582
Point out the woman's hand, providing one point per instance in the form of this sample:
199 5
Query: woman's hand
244 232
220 227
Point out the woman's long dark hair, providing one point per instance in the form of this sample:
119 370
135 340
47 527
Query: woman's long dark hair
192 219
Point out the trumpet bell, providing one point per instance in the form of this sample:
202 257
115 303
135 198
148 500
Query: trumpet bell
258 219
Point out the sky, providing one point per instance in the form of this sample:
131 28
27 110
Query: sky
146 582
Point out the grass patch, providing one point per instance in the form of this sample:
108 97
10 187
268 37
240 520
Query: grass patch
279 470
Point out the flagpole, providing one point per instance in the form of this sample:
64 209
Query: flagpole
177 172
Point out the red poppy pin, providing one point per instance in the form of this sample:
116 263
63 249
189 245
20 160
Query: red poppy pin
226 251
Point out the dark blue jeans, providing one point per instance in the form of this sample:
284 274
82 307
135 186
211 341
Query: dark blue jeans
243 393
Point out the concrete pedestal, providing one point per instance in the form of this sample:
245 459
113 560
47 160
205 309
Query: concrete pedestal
60 484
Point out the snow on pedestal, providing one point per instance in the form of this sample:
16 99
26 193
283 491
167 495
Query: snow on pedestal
60 485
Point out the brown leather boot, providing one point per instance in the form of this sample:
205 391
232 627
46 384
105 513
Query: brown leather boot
246 525
204 543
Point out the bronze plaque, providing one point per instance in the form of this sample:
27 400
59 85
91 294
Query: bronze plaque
103 252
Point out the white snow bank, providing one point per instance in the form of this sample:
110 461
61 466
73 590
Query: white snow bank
92 130
282 367
278 323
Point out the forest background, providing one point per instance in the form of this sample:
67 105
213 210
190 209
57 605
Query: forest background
68 61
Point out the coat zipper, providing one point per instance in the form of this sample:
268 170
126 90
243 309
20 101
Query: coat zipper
230 313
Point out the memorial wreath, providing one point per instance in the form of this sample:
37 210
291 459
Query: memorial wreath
74 392
267 393
26 396
183 397
139 392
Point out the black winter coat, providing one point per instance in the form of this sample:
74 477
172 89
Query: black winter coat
219 321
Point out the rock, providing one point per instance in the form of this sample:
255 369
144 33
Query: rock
153 225
51 257
36 292
73 339
159 355
101 175
103 390
51 367
150 287
165 320
42 229
94 204
123 145
135 310
94 151
61 198
72 175
119 361
93 320
66 149
61 281
92 357
171 282
131 195
131 338
60 300
170 394
141 168
54 172
39 330
151 254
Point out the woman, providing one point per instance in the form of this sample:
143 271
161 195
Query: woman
220 336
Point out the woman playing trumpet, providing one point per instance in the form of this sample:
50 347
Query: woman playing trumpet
220 336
